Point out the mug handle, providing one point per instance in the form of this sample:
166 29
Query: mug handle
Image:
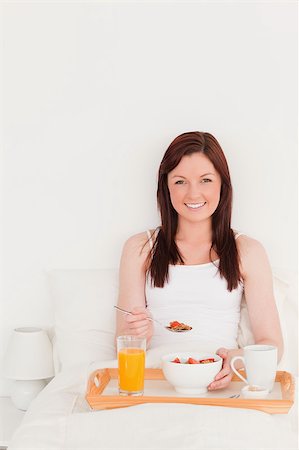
235 370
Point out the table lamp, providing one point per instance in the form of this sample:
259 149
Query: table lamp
29 361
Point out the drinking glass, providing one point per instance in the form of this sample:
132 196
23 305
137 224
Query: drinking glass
131 364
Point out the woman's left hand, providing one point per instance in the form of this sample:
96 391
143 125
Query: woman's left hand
224 377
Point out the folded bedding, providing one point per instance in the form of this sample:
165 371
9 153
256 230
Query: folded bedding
60 418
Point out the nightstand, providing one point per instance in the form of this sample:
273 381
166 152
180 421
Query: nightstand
10 419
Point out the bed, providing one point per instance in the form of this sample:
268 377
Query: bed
83 340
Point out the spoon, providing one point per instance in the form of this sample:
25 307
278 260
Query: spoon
124 311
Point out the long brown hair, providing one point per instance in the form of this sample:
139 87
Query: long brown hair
165 250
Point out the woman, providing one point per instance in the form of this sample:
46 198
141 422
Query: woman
195 268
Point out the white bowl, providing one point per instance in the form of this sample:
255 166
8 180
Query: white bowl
190 379
262 392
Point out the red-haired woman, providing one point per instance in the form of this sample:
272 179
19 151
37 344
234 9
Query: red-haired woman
194 268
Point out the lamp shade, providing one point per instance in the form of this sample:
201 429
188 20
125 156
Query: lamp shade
29 355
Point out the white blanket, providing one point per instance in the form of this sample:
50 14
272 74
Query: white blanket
59 418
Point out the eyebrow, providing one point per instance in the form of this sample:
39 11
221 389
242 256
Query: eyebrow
181 176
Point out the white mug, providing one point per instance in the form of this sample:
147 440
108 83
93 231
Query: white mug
260 364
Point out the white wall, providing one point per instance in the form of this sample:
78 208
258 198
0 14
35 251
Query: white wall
94 92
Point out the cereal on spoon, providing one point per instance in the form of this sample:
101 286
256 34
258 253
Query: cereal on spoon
178 326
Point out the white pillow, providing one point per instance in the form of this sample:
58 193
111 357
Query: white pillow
85 318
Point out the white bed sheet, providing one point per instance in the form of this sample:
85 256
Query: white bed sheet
60 418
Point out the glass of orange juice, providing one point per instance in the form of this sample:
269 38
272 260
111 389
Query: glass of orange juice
131 363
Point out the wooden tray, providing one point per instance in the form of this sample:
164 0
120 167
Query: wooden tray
101 379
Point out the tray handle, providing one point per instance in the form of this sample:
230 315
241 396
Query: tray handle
97 381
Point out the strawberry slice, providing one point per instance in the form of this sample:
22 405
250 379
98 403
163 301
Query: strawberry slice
175 324
206 361
176 360
192 361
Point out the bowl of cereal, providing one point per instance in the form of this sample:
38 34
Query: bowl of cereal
190 373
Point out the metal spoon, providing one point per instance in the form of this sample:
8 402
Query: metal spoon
124 311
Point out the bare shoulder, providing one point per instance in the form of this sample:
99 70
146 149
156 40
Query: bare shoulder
247 245
137 245
252 254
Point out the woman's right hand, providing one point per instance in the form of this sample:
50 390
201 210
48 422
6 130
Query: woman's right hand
138 323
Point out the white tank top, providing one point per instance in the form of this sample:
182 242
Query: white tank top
196 296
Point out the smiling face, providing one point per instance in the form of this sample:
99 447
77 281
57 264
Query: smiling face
194 186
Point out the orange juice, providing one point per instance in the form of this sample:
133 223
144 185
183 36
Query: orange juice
131 363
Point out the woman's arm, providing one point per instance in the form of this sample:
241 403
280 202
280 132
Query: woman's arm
132 289
264 319
258 290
